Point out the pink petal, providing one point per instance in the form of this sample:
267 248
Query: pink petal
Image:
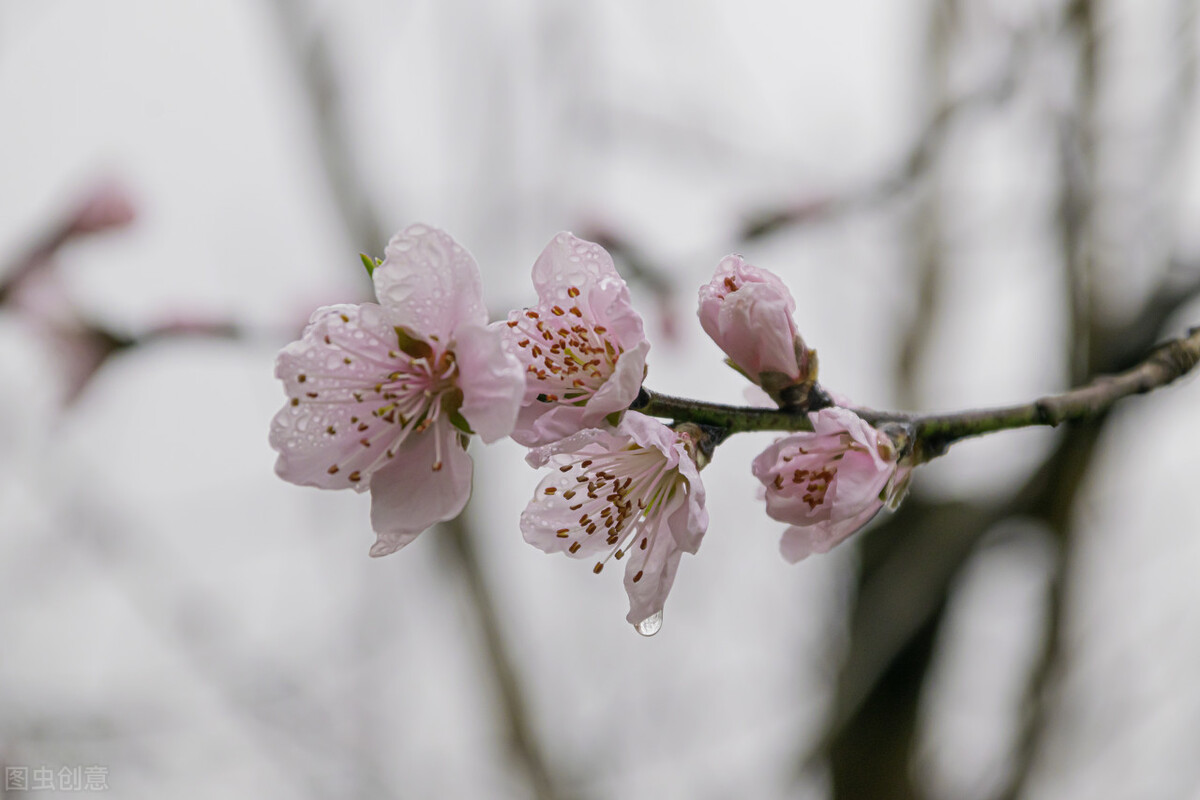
549 514
621 388
568 261
654 568
323 424
755 329
607 303
799 542
429 283
491 379
582 297
408 495
649 432
860 480
603 441
691 532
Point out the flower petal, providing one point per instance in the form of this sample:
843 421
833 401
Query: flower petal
649 432
491 379
429 283
328 375
753 329
622 386
549 514
650 573
748 311
799 542
408 496
570 262
584 346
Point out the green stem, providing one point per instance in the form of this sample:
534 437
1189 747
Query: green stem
934 433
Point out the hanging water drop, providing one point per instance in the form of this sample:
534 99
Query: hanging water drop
650 625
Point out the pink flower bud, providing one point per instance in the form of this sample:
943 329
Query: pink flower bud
831 482
748 312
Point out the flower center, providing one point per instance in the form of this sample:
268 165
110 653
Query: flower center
567 354
619 495
421 387
814 483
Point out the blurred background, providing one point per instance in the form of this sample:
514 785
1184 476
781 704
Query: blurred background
973 201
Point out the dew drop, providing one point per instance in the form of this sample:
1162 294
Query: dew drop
650 625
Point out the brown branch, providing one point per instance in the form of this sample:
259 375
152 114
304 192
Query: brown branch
934 433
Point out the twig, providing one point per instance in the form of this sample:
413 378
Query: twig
934 433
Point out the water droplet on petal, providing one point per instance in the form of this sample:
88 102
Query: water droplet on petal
650 625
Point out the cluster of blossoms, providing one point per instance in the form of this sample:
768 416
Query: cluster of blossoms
385 397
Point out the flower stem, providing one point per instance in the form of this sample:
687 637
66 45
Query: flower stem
934 433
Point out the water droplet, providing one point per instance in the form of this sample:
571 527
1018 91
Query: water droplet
650 625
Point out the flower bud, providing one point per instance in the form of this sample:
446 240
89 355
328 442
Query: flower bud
747 311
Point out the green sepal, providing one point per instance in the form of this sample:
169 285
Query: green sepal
370 263
460 422
614 418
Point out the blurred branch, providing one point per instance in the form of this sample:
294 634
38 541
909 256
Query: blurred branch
895 181
314 65
105 206
926 229
1077 157
638 269
522 740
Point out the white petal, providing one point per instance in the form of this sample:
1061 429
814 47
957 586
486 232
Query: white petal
429 283
491 379
343 353
409 496
566 262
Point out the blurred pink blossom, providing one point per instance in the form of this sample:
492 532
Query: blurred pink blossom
583 347
830 482
632 491
382 396
106 205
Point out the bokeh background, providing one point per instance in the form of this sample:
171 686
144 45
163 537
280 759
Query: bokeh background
973 201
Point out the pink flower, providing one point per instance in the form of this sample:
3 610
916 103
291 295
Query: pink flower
632 491
747 311
831 482
582 347
382 396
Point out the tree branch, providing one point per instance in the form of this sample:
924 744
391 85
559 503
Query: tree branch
934 433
